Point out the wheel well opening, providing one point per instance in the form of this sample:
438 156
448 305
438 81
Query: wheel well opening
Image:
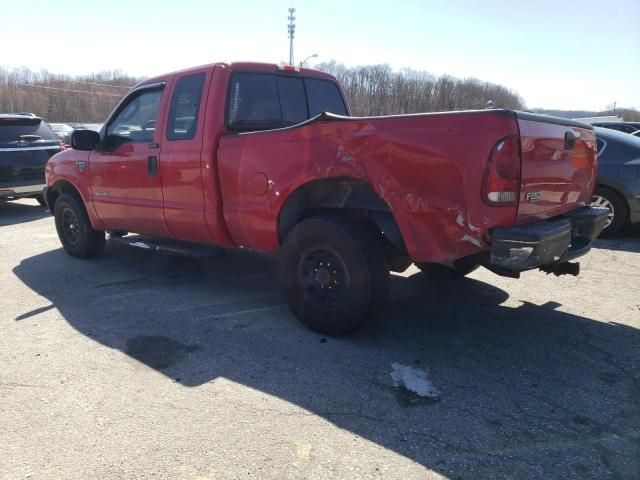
58 188
347 196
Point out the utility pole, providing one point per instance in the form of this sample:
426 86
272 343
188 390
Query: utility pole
614 107
292 31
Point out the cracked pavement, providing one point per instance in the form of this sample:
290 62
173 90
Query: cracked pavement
134 365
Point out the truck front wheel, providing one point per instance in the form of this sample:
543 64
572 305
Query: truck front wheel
334 273
78 237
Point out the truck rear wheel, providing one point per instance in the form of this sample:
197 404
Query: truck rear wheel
460 268
78 237
334 274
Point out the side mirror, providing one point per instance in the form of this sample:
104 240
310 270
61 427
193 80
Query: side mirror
82 139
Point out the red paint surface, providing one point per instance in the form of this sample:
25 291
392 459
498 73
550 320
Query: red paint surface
228 189
564 178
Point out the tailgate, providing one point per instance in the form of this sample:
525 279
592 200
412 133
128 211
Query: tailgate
22 166
558 166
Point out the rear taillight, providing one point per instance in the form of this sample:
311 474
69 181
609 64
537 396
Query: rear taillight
502 175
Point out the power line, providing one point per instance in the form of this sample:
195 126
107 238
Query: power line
16 69
66 89
99 84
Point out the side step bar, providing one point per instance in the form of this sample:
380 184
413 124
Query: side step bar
167 246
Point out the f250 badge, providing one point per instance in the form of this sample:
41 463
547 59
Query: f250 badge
533 196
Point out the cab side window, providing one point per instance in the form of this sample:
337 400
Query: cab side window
136 121
185 105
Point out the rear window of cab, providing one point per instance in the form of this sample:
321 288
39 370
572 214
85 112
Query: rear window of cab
263 101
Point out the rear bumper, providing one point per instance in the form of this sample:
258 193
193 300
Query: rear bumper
547 244
23 191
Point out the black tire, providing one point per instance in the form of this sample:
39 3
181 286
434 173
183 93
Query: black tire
616 205
334 273
75 232
40 199
460 268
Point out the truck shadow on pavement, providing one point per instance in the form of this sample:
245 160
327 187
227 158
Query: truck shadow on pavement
628 240
13 213
524 390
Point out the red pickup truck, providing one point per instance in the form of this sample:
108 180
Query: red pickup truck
267 157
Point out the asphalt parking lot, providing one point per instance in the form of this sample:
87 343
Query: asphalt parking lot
136 365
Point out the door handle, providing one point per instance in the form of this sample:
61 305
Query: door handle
154 145
152 165
569 141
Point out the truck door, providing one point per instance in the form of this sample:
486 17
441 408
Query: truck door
182 163
125 176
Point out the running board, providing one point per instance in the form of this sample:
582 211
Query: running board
167 246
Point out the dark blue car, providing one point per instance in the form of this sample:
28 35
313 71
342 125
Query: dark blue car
618 181
26 143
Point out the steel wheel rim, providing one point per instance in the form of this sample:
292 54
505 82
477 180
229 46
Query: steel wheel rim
70 226
324 277
602 202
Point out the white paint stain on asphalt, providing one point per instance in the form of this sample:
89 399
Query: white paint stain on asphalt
413 379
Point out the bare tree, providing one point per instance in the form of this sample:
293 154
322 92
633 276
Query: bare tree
62 98
371 90
379 90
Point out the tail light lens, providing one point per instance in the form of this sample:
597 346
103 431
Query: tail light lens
502 176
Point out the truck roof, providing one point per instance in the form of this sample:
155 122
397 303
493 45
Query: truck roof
253 66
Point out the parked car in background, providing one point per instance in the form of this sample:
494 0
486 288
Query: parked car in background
88 126
626 127
62 131
618 179
26 144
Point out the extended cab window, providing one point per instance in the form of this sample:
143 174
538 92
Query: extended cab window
136 122
185 105
260 101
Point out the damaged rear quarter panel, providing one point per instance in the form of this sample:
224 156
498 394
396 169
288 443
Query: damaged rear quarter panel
428 168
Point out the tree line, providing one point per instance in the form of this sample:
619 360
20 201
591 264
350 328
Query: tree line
62 98
370 90
380 90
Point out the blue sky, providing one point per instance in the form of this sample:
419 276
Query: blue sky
556 54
